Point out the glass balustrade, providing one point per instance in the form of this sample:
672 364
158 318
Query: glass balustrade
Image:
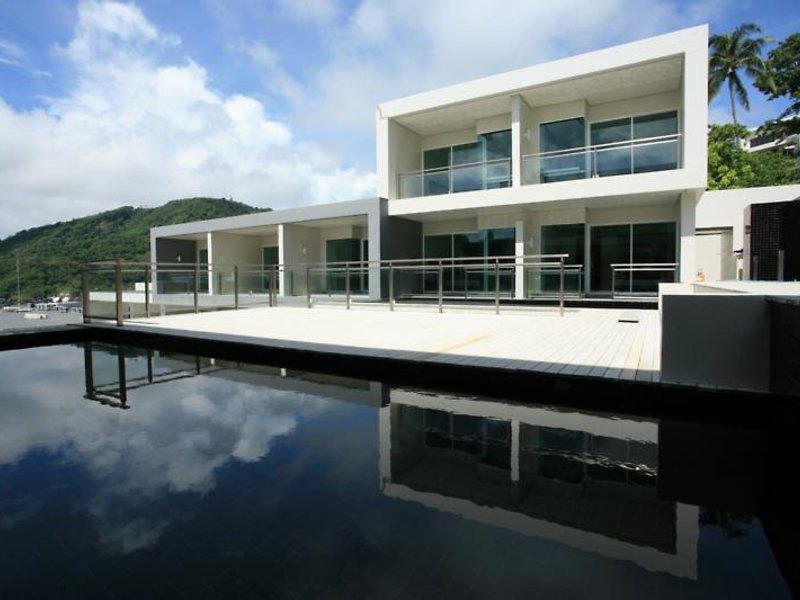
458 178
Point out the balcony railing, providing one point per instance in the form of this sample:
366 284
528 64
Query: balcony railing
644 155
457 178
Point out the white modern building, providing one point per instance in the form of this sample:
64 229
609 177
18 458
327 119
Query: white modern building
600 157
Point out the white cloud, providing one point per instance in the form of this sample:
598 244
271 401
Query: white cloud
136 128
163 445
387 49
317 11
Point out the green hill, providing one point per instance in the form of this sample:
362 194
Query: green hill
50 256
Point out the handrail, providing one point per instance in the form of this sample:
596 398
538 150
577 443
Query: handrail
640 268
608 146
458 166
195 276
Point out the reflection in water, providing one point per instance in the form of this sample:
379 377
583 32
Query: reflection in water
221 460
585 480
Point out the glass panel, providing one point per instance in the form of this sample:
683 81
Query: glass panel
501 242
411 185
435 183
562 135
658 156
612 160
467 178
466 154
438 158
469 245
563 239
438 246
337 251
609 244
653 243
269 258
649 126
497 144
202 259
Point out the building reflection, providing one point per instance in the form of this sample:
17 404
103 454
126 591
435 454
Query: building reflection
112 372
588 481
622 487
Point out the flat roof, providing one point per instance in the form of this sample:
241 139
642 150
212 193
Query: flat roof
635 54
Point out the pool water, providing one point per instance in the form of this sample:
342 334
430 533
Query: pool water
127 473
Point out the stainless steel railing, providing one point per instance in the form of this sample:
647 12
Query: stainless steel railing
118 290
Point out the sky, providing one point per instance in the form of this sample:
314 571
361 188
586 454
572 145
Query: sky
270 102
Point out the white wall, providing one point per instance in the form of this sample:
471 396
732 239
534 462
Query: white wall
725 208
399 150
295 238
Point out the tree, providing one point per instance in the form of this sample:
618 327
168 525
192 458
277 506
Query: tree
734 52
730 166
783 64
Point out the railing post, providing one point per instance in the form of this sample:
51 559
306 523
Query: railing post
613 281
147 290
196 287
347 284
441 284
274 282
236 287
271 286
84 294
308 287
391 286
561 287
118 290
497 285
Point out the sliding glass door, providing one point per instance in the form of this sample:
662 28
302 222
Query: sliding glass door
637 243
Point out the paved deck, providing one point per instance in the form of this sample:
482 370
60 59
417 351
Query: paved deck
588 342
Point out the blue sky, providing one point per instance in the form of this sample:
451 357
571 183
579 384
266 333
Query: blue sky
270 102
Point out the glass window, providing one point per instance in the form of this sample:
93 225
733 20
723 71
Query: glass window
610 244
466 154
612 160
438 246
562 135
648 126
497 144
438 158
338 251
653 243
563 239
656 155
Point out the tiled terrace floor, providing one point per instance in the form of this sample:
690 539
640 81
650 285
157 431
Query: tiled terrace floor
585 341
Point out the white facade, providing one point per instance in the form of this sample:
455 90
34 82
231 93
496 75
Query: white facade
601 157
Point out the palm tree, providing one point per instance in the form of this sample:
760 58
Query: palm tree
734 52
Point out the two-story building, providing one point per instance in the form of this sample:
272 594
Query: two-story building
600 156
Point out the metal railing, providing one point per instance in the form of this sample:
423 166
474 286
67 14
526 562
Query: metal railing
117 290
455 178
659 153
632 268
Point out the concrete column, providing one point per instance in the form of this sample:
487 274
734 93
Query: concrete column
516 141
686 255
282 278
519 250
210 273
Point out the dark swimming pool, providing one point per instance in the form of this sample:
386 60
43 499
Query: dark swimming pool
131 473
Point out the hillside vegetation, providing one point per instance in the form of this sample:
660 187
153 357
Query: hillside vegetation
50 256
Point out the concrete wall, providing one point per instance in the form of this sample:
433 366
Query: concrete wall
228 249
399 150
716 340
404 239
725 208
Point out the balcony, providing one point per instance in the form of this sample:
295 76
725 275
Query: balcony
644 155
456 178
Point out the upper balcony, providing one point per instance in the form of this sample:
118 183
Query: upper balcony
621 112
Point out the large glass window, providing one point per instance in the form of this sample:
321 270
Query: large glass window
563 239
625 244
482 164
269 258
562 143
625 146
340 251
478 275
